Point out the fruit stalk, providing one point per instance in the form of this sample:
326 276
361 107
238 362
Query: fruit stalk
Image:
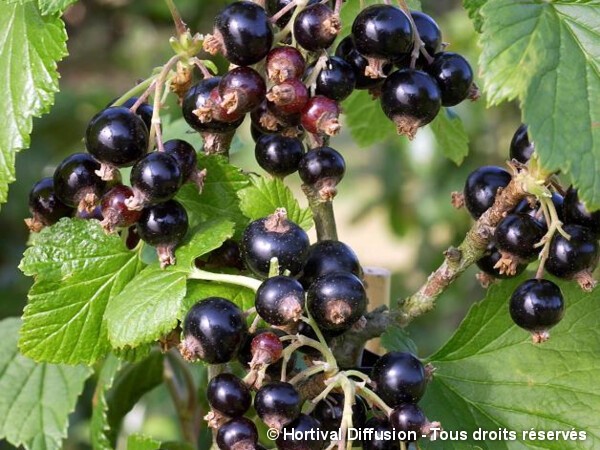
322 214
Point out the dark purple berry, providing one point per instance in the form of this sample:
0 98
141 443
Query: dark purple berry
347 51
228 255
408 418
381 428
280 300
399 377
277 404
76 182
265 121
325 257
488 262
185 156
336 80
284 63
518 235
316 27
278 155
382 31
521 148
241 89
228 395
237 434
45 207
144 111
576 213
329 412
430 34
453 74
567 258
481 188
155 178
302 425
322 167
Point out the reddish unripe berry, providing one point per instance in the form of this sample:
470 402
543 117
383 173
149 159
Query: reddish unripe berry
115 212
320 116
290 96
266 348
241 89
284 63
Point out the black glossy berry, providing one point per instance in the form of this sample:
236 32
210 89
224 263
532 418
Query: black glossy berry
430 34
336 80
481 188
284 63
155 178
278 155
244 33
411 99
347 51
242 89
521 148
277 404
280 300
382 31
185 156
316 27
408 418
517 234
569 257
75 178
228 395
329 412
214 330
537 305
117 136
399 377
114 209
575 212
274 237
325 257
145 111
336 301
303 425
237 434
322 165
381 427
197 98
453 74
163 224
45 207
487 262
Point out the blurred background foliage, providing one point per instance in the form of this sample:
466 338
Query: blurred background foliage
393 206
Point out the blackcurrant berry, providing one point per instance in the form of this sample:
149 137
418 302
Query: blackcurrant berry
329 412
45 207
382 31
381 428
145 111
90 214
280 300
228 255
214 330
411 99
274 6
274 237
241 89
242 32
336 80
481 188
399 377
575 212
316 27
321 116
302 426
266 348
265 121
453 74
76 182
228 395
323 168
408 418
277 404
284 63
164 226
185 156
487 264
536 306
569 257
517 234
278 155
336 301
325 257
117 137
347 51
289 96
237 434
430 34
521 148
246 355
155 178
114 210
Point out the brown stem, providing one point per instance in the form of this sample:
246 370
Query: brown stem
322 214
180 26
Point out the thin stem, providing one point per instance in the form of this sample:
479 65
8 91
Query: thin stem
180 26
374 399
136 90
283 11
238 280
205 72
155 131
338 7
311 81
307 373
358 374
142 98
349 394
419 45
554 225
273 267
301 4
310 321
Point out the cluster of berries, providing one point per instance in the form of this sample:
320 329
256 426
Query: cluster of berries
572 252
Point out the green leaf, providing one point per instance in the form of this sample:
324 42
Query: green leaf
265 195
491 375
77 269
547 55
396 339
100 431
198 290
36 399
473 7
367 123
219 197
30 46
149 306
54 6
451 136
140 442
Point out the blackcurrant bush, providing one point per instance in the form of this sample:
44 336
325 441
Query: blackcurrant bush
316 27
381 427
347 51
454 76
382 31
278 155
408 418
185 156
329 412
399 377
481 188
536 306
228 395
114 211
277 404
76 182
325 257
575 212
289 96
164 226
214 330
521 148
155 178
567 258
487 264
411 99
336 80
430 34
323 168
274 237
242 32
45 207
517 234
280 300
284 63
321 116
237 434
241 89
145 110
302 426
336 301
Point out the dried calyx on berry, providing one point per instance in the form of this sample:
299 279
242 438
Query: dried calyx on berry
115 213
